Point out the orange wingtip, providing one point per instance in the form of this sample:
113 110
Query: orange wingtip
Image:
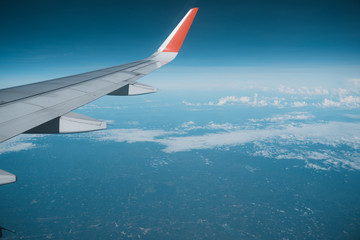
176 42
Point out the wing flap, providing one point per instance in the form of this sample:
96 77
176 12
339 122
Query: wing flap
69 123
6 177
133 89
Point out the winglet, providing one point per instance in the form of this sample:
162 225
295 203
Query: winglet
175 40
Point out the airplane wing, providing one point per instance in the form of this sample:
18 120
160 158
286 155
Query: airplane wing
45 107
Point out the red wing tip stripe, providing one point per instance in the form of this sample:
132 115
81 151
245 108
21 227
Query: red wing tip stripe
177 40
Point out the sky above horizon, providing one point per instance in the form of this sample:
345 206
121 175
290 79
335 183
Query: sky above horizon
297 41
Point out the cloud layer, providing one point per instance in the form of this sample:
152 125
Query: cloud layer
295 135
284 96
281 140
19 143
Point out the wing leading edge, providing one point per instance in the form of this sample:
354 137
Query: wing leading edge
45 107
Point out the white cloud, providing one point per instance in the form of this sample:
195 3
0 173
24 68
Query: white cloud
232 100
297 97
16 147
342 91
299 104
303 90
19 143
317 97
286 90
344 97
193 104
286 117
329 103
350 100
129 135
324 133
315 166
191 125
283 142
223 126
344 102
321 91
187 124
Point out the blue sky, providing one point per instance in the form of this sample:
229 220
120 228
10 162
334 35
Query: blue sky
47 39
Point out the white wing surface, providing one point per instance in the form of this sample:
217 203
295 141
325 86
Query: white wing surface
45 107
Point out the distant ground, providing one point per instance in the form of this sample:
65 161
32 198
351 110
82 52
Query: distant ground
250 165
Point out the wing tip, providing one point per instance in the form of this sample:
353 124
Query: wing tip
175 40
